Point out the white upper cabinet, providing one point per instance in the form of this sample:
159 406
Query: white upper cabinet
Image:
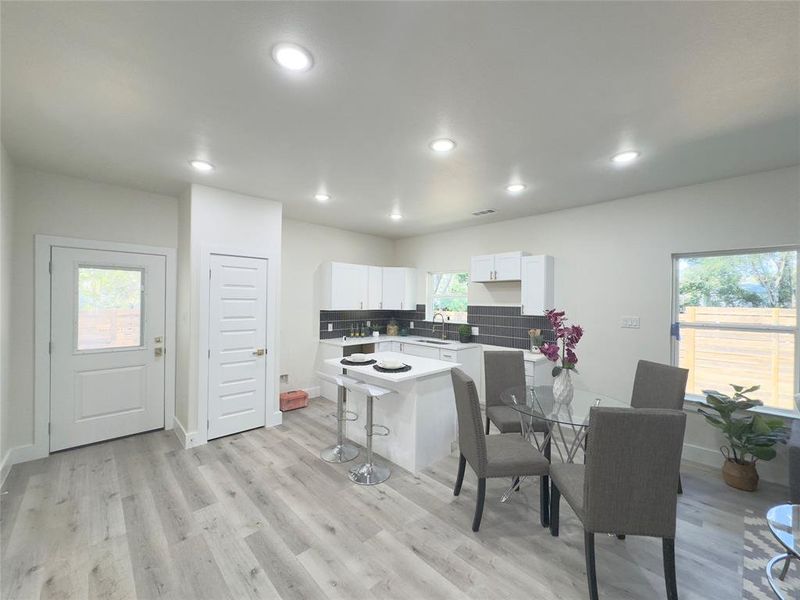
482 268
375 288
399 288
346 286
505 266
537 284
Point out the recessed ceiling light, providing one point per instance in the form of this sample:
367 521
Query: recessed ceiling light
442 145
396 216
515 188
322 197
623 158
292 57
202 166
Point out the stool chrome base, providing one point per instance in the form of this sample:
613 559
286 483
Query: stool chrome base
369 474
340 453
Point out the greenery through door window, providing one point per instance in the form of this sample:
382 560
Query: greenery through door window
447 294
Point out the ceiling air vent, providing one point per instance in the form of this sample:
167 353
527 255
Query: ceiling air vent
485 211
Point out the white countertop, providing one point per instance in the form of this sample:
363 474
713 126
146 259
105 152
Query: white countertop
451 345
420 367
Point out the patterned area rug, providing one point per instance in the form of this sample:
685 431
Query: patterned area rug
759 547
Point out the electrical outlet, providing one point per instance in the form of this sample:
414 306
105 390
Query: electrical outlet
330 326
630 322
475 331
411 325
369 324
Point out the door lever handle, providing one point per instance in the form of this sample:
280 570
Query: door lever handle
259 352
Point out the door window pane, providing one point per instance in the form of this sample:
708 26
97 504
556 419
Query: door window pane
109 308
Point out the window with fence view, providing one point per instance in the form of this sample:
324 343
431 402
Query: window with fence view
109 308
737 317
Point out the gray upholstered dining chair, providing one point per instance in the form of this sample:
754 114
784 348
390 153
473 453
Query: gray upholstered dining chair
497 455
659 386
628 484
504 369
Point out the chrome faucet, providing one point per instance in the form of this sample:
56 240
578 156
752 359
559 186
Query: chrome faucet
433 328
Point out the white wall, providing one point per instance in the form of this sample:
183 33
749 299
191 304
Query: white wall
305 247
6 244
223 222
614 259
45 203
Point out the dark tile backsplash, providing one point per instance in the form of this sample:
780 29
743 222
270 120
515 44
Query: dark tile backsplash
498 325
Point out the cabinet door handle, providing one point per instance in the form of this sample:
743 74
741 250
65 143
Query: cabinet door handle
362 304
380 304
401 305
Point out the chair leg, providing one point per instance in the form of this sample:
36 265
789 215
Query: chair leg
487 424
680 485
591 572
462 465
544 500
476 522
555 501
668 545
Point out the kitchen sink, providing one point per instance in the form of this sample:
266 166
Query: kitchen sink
437 342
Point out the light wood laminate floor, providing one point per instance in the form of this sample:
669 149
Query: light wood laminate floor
259 515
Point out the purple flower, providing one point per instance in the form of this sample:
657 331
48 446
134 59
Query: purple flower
555 317
551 351
571 356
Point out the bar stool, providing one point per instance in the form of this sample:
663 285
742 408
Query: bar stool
341 451
369 473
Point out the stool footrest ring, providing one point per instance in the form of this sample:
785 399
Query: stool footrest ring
386 430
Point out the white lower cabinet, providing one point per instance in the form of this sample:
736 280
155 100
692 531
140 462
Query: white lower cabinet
423 351
539 372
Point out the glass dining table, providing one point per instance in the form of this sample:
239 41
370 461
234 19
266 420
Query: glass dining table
568 423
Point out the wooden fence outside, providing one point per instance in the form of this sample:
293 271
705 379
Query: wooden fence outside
718 357
109 328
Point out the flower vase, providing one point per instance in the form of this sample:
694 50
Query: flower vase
563 389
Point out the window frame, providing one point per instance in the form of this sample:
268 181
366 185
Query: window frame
429 295
675 315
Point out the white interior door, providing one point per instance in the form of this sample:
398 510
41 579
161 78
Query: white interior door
106 332
238 357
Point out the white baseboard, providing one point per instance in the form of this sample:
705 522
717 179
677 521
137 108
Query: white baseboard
187 439
775 471
16 455
313 391
275 419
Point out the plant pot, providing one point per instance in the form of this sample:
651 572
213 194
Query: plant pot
464 339
739 476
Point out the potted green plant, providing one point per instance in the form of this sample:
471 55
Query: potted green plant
464 333
751 436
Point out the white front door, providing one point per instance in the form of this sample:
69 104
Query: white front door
237 344
107 345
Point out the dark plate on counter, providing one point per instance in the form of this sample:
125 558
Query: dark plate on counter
352 363
402 369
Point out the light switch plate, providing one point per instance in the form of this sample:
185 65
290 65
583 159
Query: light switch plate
411 325
630 322
369 324
330 326
475 331
285 378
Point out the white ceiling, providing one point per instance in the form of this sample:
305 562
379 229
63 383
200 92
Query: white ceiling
128 92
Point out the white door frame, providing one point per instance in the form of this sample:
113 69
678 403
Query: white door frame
41 329
273 414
